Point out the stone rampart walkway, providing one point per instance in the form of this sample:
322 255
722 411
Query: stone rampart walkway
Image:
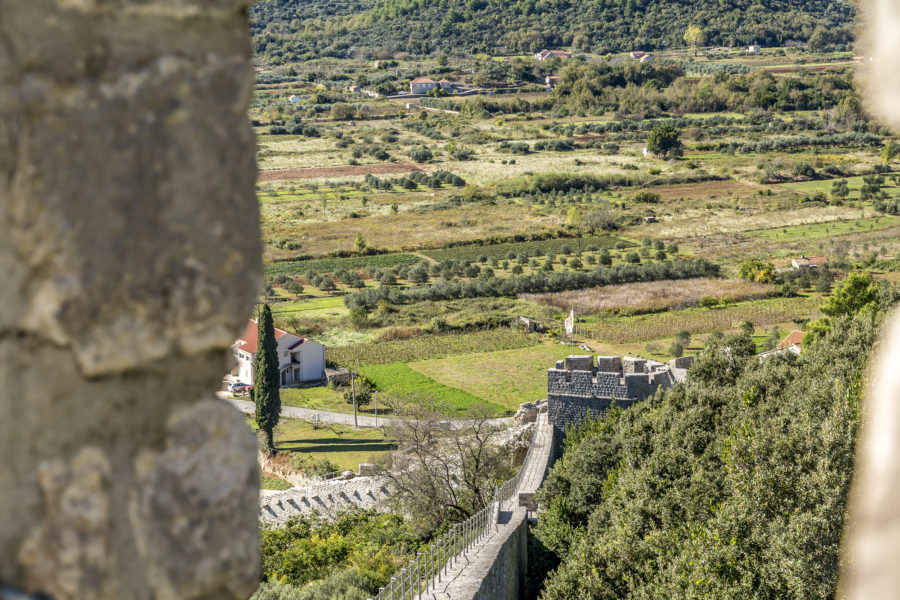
465 578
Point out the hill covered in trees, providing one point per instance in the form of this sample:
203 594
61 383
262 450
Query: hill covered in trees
733 486
289 30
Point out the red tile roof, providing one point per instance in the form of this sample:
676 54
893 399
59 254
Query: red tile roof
818 260
423 80
794 338
249 341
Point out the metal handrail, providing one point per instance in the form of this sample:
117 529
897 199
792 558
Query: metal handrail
429 567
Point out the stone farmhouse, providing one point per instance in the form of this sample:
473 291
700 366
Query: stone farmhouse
578 385
548 54
300 360
422 85
813 262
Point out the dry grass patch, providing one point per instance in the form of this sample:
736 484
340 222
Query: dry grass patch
653 296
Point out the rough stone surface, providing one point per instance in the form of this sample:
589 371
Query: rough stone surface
130 260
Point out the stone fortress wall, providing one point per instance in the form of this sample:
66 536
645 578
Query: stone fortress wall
580 385
327 499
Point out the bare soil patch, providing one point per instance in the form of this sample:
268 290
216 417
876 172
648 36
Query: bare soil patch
708 189
653 296
340 171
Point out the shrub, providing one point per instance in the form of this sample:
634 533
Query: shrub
420 154
708 301
646 197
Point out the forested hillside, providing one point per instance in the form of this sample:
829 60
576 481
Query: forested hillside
288 30
731 487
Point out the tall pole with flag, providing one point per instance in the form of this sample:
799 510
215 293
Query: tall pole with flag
570 328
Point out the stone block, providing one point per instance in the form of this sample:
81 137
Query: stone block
634 365
367 469
580 362
609 364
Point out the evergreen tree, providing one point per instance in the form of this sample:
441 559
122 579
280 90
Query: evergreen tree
266 384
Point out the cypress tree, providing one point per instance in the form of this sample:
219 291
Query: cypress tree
266 384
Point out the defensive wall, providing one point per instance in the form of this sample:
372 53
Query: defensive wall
326 498
582 385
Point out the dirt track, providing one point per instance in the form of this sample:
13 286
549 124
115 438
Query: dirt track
339 171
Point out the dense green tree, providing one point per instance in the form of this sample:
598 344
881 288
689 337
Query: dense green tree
664 140
859 291
266 378
694 36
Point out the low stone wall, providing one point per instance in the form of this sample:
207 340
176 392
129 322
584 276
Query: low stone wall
498 571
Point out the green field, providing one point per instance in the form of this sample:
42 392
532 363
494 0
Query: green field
825 230
341 445
311 305
824 185
506 377
401 380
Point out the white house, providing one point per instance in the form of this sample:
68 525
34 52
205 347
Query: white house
300 360
548 54
754 49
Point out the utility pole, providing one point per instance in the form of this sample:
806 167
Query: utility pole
376 408
353 391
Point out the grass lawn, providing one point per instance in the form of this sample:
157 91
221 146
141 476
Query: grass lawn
506 377
319 397
311 305
343 446
273 483
400 379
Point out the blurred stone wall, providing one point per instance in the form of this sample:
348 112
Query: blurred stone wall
871 546
130 258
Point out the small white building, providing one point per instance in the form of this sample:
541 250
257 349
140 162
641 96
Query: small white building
300 360
754 49
294 99
548 54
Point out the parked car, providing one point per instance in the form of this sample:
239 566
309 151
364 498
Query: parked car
236 384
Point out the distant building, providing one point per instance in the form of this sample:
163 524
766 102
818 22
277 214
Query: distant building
793 340
300 360
647 58
637 54
547 54
354 89
754 49
422 85
448 85
792 344
814 262
551 81
294 99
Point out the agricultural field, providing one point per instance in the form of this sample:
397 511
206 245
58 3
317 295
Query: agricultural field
411 234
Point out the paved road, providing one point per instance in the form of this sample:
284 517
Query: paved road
335 418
